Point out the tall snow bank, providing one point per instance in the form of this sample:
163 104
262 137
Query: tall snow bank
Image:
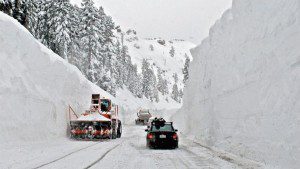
243 95
36 87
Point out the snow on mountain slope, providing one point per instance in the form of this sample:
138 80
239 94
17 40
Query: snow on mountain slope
157 52
243 94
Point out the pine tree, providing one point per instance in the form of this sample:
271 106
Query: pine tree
153 86
185 69
149 82
135 82
7 7
162 85
151 47
172 51
59 22
17 11
180 95
146 77
175 90
118 65
42 23
126 62
1 5
139 86
175 93
107 83
90 33
31 16
74 50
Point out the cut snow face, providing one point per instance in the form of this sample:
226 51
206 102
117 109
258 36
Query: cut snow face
36 87
243 95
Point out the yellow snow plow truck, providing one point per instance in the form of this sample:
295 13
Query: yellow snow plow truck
101 121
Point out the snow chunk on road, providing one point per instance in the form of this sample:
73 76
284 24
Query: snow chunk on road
92 117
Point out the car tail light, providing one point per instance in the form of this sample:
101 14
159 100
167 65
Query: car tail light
150 136
175 136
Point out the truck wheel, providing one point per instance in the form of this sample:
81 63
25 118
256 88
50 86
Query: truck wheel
119 131
113 135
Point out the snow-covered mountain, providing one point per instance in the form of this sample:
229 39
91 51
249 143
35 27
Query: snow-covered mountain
157 52
243 94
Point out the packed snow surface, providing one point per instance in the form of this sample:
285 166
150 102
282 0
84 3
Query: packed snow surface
243 95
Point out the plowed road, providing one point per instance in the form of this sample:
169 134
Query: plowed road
128 152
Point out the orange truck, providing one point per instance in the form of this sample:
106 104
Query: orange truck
99 122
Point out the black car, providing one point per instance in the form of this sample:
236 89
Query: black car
162 135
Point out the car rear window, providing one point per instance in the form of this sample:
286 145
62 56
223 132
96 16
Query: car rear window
166 127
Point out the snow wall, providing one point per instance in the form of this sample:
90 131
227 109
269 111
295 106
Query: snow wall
243 95
36 87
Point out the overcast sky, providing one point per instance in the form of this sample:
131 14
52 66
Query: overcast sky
184 19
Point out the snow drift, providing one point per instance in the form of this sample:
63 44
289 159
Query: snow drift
243 95
36 87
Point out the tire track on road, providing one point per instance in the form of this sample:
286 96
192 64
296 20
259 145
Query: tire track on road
99 159
62 157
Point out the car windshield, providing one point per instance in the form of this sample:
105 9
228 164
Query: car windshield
166 127
144 112
105 105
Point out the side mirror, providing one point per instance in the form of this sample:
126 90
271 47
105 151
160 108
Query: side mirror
176 130
146 130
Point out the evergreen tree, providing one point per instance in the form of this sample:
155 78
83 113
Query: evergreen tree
90 33
1 5
172 51
149 82
135 82
139 86
185 69
153 86
175 91
180 94
74 49
118 65
125 61
151 47
17 11
31 16
162 84
6 6
146 77
60 31
42 23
